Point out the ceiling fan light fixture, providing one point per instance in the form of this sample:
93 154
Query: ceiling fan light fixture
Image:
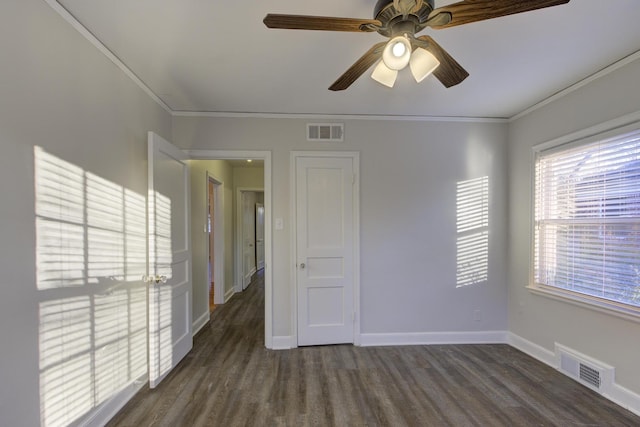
397 53
384 75
422 64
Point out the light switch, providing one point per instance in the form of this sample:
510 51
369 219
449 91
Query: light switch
279 224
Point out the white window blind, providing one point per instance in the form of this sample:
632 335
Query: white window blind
587 219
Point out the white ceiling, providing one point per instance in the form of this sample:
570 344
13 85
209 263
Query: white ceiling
217 56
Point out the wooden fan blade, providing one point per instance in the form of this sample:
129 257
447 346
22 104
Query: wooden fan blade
468 11
323 23
359 67
449 72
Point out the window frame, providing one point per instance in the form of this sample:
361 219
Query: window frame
615 128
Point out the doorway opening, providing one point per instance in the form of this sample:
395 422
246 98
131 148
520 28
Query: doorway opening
226 195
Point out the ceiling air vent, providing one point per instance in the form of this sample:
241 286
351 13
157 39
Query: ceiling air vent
325 132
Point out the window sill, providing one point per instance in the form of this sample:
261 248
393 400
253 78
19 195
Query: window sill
592 303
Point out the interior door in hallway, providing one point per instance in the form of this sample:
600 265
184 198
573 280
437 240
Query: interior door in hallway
168 258
325 243
248 202
259 236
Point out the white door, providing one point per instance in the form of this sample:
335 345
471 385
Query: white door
260 236
169 258
325 233
248 237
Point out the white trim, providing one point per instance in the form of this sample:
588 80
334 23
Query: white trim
617 394
428 338
585 301
283 342
268 247
106 411
200 323
622 124
71 20
574 87
230 293
219 255
624 397
357 337
293 244
355 156
314 116
534 350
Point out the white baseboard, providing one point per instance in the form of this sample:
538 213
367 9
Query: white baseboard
534 350
200 322
625 398
426 338
105 412
227 295
617 394
282 342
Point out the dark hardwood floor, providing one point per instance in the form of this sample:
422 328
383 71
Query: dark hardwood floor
230 379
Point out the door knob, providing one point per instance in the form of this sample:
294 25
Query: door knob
155 279
302 265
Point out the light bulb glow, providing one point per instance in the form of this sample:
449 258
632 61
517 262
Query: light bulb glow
397 53
398 49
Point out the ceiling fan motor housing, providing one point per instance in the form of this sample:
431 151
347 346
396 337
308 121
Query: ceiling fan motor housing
395 22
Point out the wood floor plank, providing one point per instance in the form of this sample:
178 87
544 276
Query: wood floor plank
230 379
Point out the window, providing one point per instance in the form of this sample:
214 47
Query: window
587 221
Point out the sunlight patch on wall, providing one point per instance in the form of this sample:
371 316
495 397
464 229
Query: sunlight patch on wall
472 213
91 255
161 298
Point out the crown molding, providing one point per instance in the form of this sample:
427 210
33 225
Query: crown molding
256 115
71 20
574 87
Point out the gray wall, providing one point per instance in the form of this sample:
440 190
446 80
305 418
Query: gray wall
58 92
539 319
409 173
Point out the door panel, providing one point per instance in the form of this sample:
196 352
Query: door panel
259 236
248 236
325 249
169 258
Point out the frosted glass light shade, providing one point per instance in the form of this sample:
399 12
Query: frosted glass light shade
422 64
384 75
397 53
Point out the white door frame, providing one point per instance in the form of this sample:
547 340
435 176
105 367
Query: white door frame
218 237
356 238
268 267
239 259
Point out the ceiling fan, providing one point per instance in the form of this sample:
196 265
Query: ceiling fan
400 21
